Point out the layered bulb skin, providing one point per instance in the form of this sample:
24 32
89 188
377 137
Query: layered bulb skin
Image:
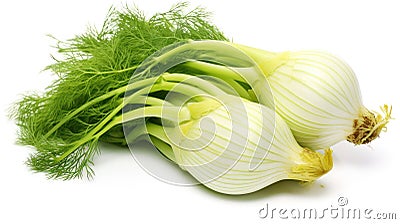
319 97
239 147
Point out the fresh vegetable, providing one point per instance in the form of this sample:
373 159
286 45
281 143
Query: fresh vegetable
227 143
240 147
157 78
319 97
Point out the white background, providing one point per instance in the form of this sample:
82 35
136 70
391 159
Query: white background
364 33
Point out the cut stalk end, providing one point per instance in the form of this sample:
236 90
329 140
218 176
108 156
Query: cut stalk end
313 165
369 125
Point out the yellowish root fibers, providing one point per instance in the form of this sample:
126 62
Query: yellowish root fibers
313 165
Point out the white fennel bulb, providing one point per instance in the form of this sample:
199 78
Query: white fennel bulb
236 146
318 95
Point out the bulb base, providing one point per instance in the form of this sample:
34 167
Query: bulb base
369 125
312 166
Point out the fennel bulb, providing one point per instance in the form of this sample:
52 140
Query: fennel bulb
235 146
318 95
